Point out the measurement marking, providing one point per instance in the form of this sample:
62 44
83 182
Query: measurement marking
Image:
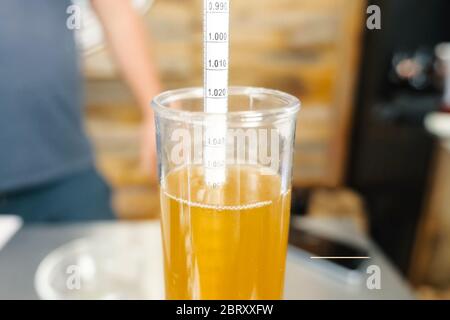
215 146
361 258
215 31
223 97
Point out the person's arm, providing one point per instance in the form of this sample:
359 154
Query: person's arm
128 39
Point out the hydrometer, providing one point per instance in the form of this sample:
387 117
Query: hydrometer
216 57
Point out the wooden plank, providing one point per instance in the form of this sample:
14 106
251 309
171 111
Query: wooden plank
352 13
431 255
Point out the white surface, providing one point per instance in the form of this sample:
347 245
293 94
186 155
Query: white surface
438 123
310 279
9 225
305 279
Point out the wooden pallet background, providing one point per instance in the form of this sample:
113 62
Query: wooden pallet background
430 263
309 48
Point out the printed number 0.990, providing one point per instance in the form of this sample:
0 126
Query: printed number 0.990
217 6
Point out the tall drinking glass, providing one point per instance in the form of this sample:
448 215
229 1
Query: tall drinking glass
225 240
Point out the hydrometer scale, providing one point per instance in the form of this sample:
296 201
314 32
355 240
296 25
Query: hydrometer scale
216 57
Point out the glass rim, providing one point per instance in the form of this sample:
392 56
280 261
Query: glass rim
291 107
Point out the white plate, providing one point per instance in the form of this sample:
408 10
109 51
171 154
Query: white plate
124 263
9 225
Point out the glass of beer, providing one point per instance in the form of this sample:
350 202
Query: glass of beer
225 240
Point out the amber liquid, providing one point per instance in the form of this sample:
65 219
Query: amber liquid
226 242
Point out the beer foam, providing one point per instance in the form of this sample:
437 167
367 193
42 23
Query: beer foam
218 207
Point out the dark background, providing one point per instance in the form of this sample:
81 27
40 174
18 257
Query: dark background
391 153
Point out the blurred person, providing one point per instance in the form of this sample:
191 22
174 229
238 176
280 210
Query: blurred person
47 170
